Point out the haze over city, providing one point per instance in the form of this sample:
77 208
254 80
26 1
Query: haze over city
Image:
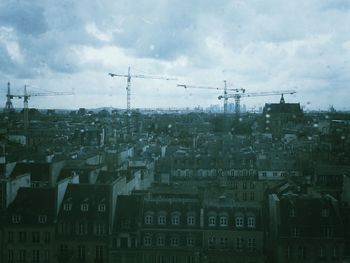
260 46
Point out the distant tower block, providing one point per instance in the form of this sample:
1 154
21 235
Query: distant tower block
8 106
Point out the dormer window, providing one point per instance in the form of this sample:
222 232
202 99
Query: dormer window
67 207
212 221
292 212
190 220
42 219
84 207
16 219
325 212
161 220
239 221
223 221
175 219
251 222
101 208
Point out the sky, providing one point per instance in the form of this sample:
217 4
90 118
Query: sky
270 45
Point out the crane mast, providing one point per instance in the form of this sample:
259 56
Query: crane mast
225 89
26 96
237 97
128 89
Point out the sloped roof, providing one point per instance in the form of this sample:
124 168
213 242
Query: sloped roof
32 202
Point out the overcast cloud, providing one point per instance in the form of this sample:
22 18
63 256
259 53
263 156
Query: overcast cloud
258 45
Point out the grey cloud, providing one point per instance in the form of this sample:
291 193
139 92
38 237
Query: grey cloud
26 17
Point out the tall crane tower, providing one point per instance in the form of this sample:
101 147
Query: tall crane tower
225 89
8 105
26 96
128 88
240 94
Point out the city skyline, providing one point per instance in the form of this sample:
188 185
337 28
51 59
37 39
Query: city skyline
72 46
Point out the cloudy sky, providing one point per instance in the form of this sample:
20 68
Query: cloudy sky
258 45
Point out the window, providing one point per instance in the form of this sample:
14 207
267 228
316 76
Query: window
35 237
99 229
67 207
84 207
245 196
81 253
325 212
161 220
82 229
335 253
35 256
252 183
99 253
190 241
42 219
294 232
264 174
321 252
274 174
211 242
125 223
239 221
148 219
16 219
64 228
190 259
235 185
101 208
22 238
147 241
47 237
244 185
63 251
223 242
239 243
9 237
160 241
22 256
289 252
223 221
175 220
46 255
251 222
10 257
212 221
252 196
327 232
190 220
292 212
251 244
174 241
301 252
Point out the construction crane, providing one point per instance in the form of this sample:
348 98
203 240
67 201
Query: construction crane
26 96
240 94
8 105
128 88
225 88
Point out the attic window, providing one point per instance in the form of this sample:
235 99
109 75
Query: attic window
42 219
325 212
101 208
67 207
16 219
84 207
